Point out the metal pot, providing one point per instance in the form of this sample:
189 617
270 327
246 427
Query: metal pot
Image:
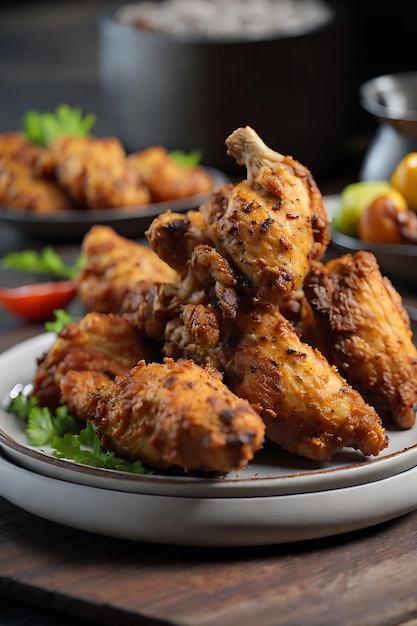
186 94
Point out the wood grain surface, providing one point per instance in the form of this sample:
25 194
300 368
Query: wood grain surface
362 578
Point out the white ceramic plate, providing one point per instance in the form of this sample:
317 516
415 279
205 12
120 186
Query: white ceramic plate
397 261
209 521
127 221
272 473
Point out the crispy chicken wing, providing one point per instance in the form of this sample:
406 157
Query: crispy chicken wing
271 225
166 179
104 346
95 172
308 408
14 147
114 266
21 186
176 413
363 328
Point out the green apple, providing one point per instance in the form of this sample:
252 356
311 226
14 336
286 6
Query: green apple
356 197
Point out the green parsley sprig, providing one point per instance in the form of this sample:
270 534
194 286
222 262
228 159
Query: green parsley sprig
190 159
41 128
61 319
47 262
41 425
85 449
44 428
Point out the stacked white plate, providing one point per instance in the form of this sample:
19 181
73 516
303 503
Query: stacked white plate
279 498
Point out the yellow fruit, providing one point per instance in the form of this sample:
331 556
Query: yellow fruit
356 197
404 179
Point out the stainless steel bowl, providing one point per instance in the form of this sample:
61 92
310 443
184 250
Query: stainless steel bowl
392 100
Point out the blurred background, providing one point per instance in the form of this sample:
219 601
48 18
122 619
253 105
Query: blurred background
49 53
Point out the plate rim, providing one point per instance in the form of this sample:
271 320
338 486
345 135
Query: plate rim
215 522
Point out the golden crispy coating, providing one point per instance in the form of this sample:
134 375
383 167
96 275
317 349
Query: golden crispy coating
166 179
14 147
308 408
271 226
173 237
363 328
176 413
21 188
94 172
102 345
114 266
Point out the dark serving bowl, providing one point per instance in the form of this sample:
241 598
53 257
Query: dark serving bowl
397 261
127 221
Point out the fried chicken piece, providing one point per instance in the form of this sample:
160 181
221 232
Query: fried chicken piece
94 172
104 346
114 266
363 328
308 408
166 179
271 225
209 281
21 188
173 237
176 413
14 147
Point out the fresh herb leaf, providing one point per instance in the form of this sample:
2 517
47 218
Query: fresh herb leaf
45 262
192 159
43 427
57 430
71 447
42 128
22 405
62 319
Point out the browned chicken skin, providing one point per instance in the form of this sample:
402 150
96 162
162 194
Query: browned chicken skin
21 186
114 266
94 172
273 224
308 408
14 147
165 178
176 413
103 346
363 328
